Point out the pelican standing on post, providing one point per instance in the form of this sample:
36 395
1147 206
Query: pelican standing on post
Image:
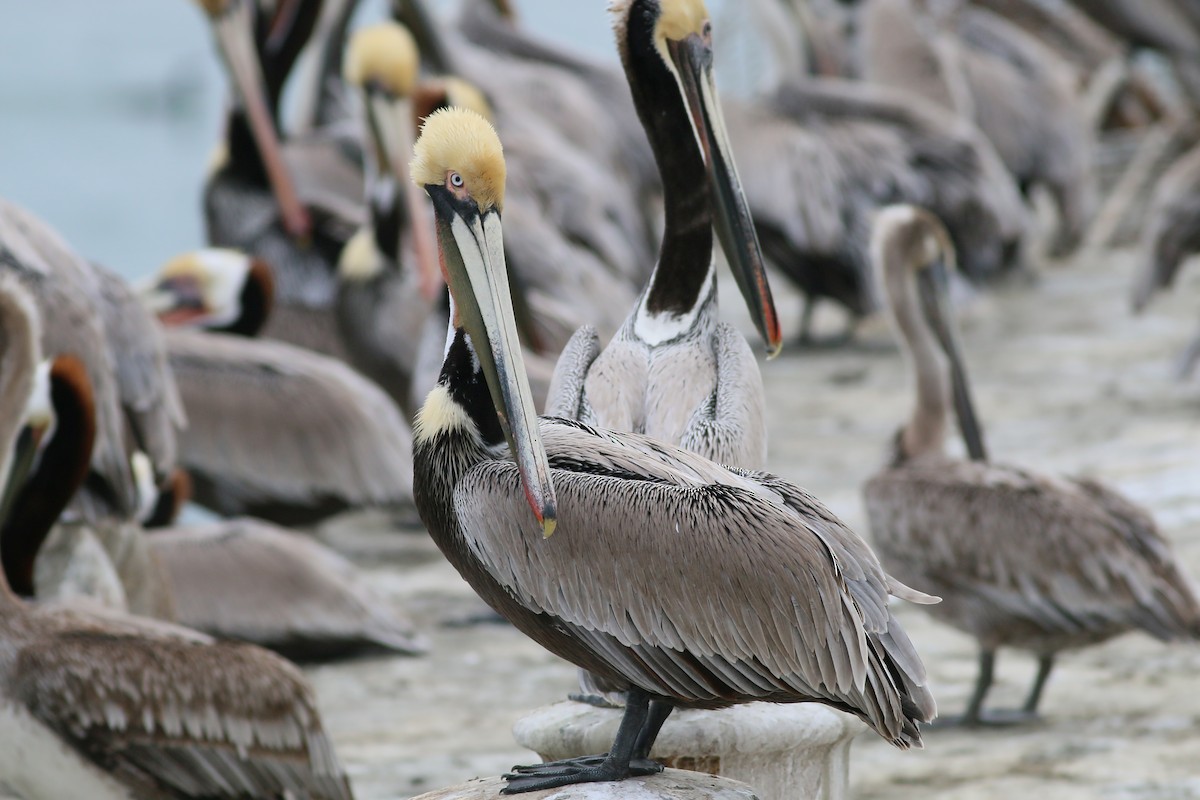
673 371
1023 560
683 582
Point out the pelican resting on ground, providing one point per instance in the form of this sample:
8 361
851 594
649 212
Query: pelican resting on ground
673 371
254 582
112 707
274 431
1024 560
1171 236
683 582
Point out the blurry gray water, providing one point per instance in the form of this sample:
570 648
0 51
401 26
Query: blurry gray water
109 113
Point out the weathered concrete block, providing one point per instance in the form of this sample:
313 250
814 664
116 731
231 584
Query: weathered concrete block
784 751
673 784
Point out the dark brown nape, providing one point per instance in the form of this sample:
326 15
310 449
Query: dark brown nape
62 469
258 297
505 9
428 97
173 495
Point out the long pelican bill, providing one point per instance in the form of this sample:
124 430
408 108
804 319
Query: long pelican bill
392 123
931 287
38 422
472 247
233 26
693 57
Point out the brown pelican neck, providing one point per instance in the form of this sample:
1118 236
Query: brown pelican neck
925 431
59 474
686 254
282 39
255 302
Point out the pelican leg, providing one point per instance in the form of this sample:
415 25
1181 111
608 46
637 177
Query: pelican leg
659 711
617 765
1045 665
972 716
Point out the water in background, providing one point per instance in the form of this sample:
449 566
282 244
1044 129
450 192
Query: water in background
109 113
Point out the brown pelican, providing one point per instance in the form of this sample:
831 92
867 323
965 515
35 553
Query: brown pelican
820 156
387 275
254 582
682 581
1020 93
673 371
274 431
108 706
1171 236
318 194
1035 562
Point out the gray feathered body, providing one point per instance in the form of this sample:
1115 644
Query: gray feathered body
701 585
1026 560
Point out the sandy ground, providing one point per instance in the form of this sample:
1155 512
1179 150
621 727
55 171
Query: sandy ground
1065 379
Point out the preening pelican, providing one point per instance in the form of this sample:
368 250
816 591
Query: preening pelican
1023 560
642 584
673 371
112 707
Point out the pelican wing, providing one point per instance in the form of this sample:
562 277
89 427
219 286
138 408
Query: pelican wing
169 712
279 423
693 581
144 383
1067 556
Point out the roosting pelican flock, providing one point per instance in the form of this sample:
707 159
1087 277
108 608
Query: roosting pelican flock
446 397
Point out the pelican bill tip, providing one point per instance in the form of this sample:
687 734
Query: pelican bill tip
549 523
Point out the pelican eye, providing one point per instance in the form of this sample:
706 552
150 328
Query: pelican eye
456 180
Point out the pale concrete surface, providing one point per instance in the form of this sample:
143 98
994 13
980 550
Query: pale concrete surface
784 751
1066 380
672 784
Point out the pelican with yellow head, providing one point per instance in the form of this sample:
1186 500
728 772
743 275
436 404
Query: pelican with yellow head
650 537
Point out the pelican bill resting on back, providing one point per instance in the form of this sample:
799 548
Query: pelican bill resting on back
112 707
1035 562
681 581
274 431
673 371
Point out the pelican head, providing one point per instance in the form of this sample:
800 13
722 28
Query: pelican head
233 27
680 31
216 289
459 162
909 245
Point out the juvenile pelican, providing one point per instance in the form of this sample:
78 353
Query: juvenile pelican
673 371
681 581
113 707
1035 562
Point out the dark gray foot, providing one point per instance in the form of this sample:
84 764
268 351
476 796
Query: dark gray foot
597 700
586 769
